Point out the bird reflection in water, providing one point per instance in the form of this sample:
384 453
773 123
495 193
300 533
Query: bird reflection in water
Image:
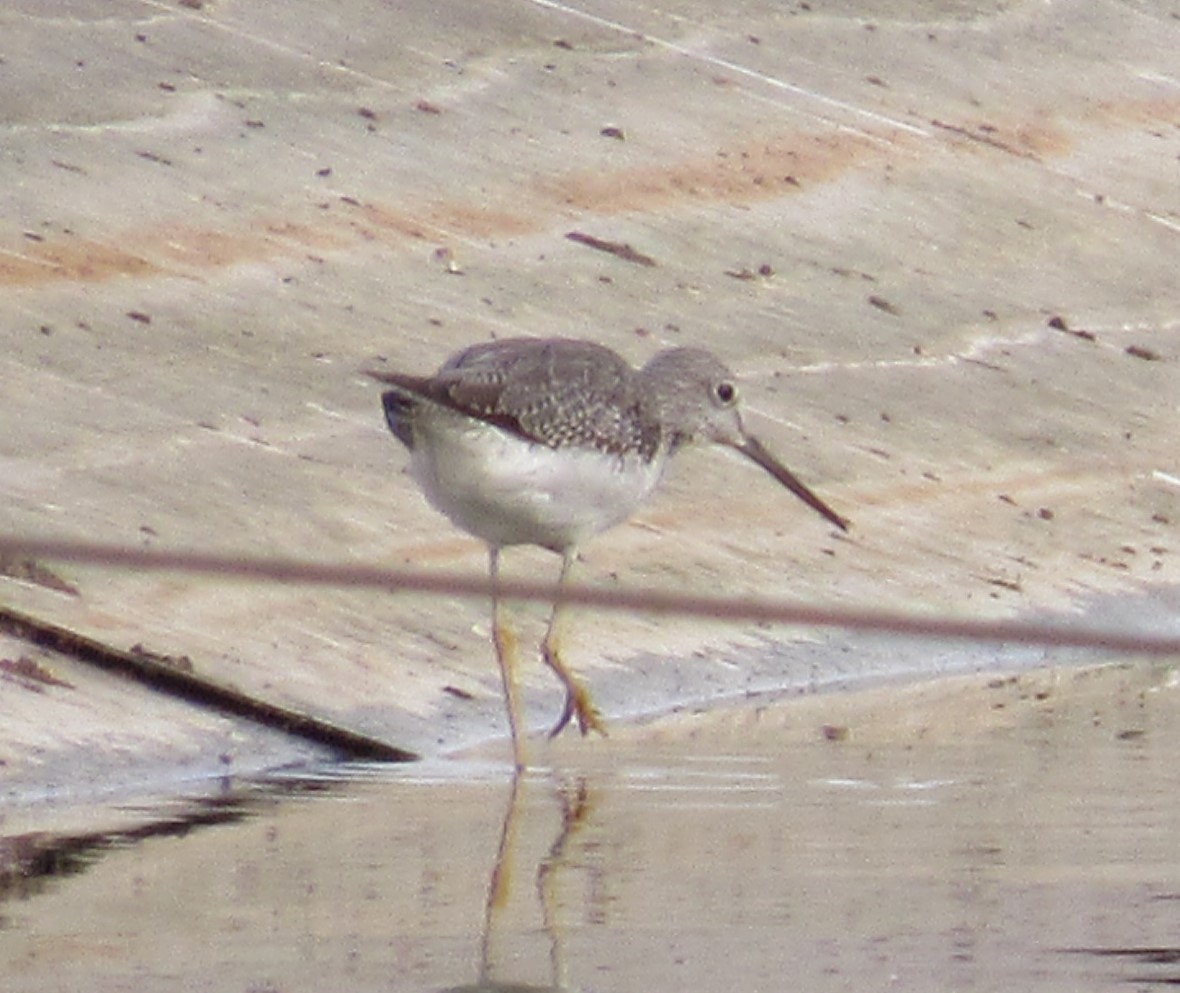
573 803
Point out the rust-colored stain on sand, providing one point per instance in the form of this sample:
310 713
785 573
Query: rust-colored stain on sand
166 248
775 166
69 259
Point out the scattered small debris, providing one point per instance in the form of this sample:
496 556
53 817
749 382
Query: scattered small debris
1139 352
367 113
882 304
140 316
620 249
613 132
457 693
426 107
1045 514
1006 584
30 674
562 43
845 273
153 157
1131 734
983 133
446 258
1057 323
765 270
182 663
834 732
31 571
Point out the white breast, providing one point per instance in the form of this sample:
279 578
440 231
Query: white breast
507 491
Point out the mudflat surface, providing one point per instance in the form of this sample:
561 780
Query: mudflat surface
937 242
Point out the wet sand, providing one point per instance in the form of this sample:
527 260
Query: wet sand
977 832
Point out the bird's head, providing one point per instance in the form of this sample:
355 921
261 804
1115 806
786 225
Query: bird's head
696 398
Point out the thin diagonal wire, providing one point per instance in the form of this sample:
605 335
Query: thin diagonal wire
349 575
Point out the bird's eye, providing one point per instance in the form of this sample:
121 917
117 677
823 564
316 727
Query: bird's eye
725 392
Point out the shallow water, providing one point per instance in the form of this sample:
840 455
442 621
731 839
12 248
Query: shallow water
1015 833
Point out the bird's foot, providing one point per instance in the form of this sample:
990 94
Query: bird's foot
579 705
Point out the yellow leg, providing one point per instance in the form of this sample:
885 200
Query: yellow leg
578 703
508 657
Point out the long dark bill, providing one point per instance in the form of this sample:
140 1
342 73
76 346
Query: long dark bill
755 451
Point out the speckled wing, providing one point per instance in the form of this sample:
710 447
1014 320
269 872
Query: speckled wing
555 392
